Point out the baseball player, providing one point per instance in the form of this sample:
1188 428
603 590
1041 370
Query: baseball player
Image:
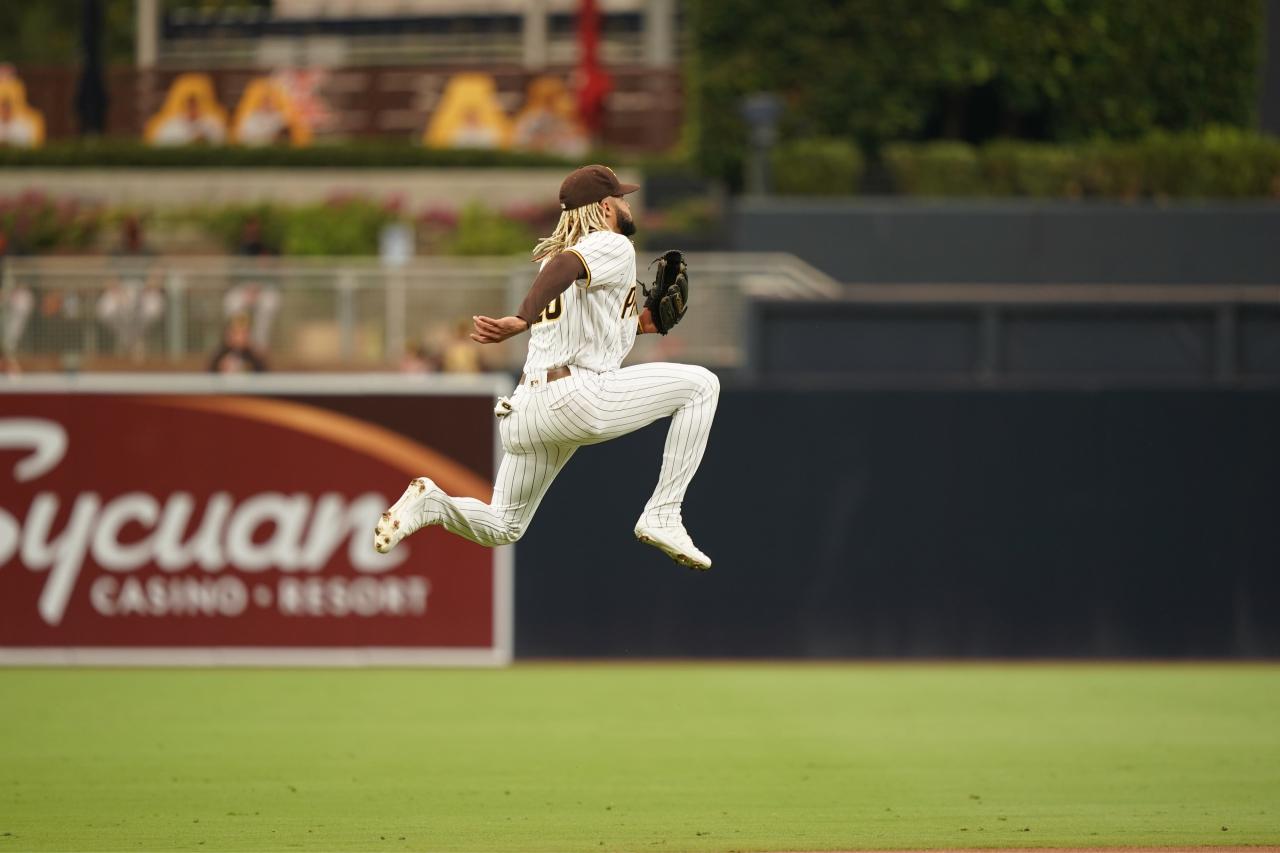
582 314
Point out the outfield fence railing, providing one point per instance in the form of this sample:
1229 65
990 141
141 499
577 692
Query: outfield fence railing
171 312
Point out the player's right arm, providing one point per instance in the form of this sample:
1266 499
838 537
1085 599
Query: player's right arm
554 278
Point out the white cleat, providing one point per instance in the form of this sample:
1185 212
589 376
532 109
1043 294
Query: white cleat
405 515
676 544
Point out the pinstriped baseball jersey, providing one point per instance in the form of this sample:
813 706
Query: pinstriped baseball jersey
593 323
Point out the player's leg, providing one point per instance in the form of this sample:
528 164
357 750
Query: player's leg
622 401
529 464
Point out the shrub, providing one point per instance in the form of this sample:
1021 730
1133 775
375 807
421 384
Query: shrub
1112 170
483 232
342 226
935 169
819 166
1222 162
339 227
34 222
1218 163
226 224
1030 169
351 155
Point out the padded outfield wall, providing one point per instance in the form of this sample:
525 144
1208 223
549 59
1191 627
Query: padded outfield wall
196 520
1116 523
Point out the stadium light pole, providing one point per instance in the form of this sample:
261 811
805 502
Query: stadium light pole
761 111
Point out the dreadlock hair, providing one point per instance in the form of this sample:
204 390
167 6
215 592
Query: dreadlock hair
572 227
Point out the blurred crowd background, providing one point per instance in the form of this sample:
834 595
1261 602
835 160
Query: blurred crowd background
992 286
322 184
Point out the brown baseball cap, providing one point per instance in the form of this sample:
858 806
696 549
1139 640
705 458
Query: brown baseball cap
591 184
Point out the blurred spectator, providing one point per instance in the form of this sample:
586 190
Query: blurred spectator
468 115
236 355
16 302
549 121
267 115
461 355
265 123
256 295
252 243
473 132
21 125
133 300
191 126
418 359
16 129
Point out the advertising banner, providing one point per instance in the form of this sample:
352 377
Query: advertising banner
206 520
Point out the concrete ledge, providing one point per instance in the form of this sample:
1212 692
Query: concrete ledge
978 241
418 188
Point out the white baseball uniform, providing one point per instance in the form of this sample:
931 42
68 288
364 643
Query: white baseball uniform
589 328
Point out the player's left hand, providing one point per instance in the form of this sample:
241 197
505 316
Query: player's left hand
668 299
487 330
647 326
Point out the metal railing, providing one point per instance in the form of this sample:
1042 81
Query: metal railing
171 312
366 51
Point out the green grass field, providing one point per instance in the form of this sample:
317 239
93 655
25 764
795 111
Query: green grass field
641 758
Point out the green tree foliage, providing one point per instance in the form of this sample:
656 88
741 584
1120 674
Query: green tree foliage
47 32
881 70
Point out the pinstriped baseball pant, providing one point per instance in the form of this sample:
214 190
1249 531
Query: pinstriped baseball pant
550 421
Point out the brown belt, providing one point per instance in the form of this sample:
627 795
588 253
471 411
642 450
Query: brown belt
552 374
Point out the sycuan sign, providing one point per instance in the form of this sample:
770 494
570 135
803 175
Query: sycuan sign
189 520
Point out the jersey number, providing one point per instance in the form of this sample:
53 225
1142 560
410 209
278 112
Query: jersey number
554 310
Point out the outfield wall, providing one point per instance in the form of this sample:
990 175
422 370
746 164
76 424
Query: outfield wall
928 523
197 519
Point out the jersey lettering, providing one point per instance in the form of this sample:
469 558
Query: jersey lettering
554 309
592 323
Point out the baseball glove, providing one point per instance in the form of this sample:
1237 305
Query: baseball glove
668 299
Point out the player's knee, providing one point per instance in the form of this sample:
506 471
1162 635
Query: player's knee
511 534
708 381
